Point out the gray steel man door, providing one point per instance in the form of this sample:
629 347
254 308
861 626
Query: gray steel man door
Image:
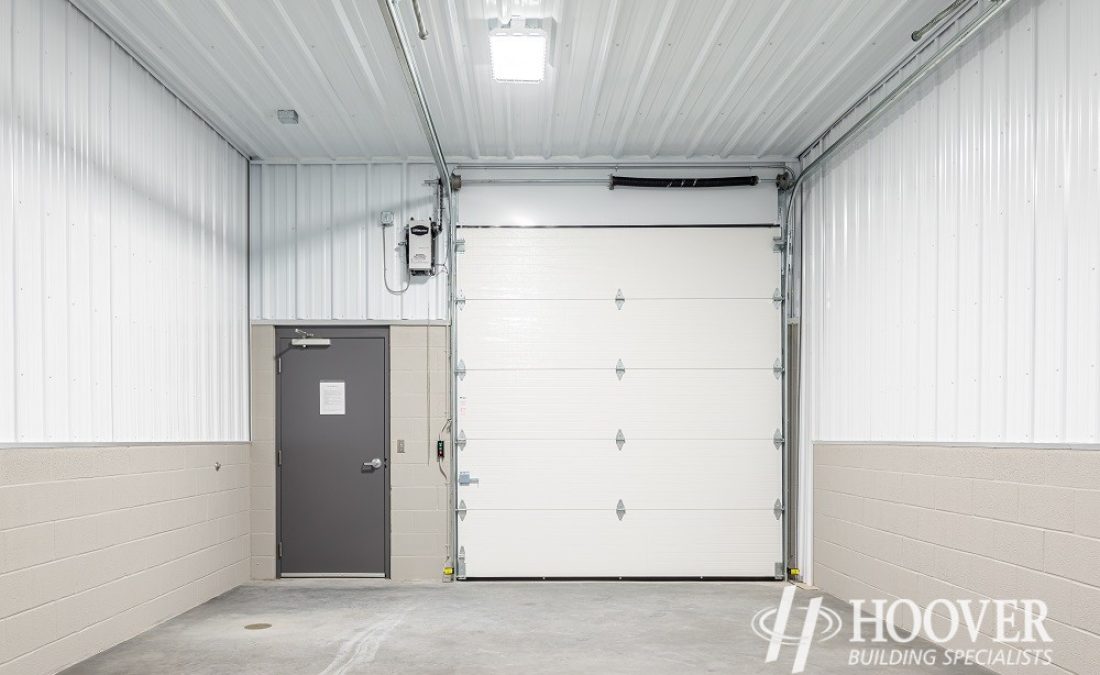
333 453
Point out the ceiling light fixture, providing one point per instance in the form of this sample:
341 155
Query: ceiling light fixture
287 116
517 52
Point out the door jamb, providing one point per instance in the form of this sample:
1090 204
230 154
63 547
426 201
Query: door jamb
334 332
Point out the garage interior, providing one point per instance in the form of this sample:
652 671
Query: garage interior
425 336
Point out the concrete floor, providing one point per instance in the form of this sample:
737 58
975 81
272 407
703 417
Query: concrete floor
353 626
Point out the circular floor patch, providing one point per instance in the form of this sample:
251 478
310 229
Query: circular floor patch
257 626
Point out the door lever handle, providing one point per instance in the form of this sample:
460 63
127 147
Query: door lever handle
372 465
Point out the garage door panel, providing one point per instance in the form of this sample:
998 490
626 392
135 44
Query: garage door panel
592 404
540 402
672 474
644 543
524 334
595 263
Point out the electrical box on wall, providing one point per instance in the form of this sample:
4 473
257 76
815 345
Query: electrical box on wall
420 246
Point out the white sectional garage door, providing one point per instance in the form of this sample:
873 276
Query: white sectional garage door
663 467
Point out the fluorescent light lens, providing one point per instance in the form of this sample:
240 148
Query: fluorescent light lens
518 55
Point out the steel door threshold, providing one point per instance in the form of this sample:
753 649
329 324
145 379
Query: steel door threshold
333 575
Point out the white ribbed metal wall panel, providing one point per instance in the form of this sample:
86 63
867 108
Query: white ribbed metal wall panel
951 278
123 248
319 250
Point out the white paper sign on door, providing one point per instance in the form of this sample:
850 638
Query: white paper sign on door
332 397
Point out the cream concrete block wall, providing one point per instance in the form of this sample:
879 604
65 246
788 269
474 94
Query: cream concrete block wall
262 475
419 494
98 544
924 522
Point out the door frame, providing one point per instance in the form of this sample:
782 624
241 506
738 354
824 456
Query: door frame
333 332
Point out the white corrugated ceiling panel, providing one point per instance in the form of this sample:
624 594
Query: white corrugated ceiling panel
665 79
951 280
319 251
123 240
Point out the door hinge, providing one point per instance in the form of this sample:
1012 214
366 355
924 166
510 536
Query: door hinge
620 299
620 439
279 550
460 370
777 297
279 365
779 244
460 245
460 300
461 510
464 478
460 568
777 368
460 440
620 369
780 571
777 438
620 509
778 509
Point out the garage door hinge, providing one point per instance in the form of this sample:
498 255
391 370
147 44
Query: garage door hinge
780 571
620 299
460 568
460 245
778 509
778 439
279 550
460 440
777 368
620 369
779 244
461 510
620 509
460 369
460 300
777 297
620 440
464 478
